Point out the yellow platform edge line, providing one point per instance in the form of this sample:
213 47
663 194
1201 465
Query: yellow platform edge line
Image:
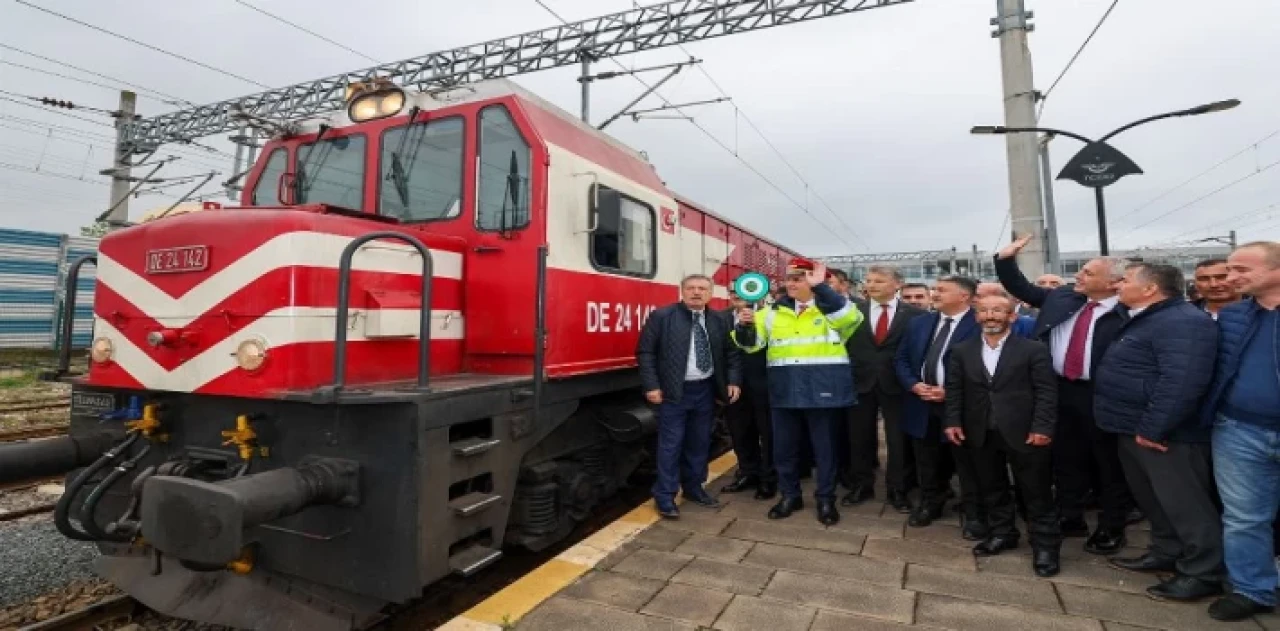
508 606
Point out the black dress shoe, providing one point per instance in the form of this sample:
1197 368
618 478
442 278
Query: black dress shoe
785 507
1145 564
741 484
973 529
1074 527
858 495
898 500
1235 607
1184 589
766 490
992 546
1105 541
667 511
1134 516
924 515
827 513
702 499
1045 562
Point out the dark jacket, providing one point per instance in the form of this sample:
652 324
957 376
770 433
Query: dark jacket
1155 376
910 359
663 351
1021 398
873 364
1057 306
1237 324
754 366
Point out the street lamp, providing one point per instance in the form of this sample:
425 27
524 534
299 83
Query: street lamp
1100 165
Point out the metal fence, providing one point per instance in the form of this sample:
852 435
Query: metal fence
32 268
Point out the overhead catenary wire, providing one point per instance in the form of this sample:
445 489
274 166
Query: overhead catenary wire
162 97
739 114
307 31
1246 149
715 140
1215 191
1045 98
52 102
137 42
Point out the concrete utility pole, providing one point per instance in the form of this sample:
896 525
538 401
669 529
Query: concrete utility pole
1052 253
585 80
1027 217
121 172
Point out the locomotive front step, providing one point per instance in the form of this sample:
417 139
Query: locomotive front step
473 503
471 560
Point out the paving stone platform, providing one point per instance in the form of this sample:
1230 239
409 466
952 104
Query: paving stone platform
733 569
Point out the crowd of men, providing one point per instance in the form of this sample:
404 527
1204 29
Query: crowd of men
1042 398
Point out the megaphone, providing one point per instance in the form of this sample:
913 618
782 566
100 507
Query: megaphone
751 286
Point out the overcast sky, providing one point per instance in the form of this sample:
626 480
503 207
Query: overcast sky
872 109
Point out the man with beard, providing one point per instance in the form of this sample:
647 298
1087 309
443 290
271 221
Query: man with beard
1001 401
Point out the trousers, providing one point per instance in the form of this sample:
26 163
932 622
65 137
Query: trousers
1246 463
684 440
751 428
789 427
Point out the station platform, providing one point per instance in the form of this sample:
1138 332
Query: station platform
733 569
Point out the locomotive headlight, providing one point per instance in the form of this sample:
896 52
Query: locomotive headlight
251 354
378 104
102 350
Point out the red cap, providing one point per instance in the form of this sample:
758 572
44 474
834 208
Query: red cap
799 265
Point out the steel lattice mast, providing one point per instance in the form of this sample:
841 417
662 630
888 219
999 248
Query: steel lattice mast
637 30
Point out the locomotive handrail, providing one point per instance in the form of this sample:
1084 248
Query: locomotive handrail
540 333
330 393
68 318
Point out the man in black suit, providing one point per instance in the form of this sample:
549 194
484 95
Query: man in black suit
1079 324
872 349
687 362
750 425
921 369
1002 400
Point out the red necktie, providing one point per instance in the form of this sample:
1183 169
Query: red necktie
882 324
1073 366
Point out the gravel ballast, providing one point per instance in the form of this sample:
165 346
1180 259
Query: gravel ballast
36 559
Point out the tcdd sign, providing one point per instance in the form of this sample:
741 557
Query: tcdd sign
1098 165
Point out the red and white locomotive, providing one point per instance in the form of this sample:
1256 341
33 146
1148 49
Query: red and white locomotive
285 460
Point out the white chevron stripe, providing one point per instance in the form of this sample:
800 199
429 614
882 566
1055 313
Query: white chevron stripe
282 327
309 249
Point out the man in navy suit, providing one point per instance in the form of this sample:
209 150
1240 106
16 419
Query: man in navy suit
921 368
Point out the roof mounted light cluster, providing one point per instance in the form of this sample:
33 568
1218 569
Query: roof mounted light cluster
373 100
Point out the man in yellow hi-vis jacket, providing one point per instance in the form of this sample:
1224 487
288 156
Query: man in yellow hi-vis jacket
810 381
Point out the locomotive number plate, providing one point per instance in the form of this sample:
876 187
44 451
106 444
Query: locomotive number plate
188 258
92 403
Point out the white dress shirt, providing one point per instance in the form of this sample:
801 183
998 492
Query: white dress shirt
691 372
891 308
991 355
1060 338
942 359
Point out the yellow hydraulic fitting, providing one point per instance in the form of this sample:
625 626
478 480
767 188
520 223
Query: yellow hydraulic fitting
242 436
149 424
242 565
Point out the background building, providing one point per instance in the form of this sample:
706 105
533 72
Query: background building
927 265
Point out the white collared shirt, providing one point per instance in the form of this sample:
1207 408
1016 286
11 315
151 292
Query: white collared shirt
991 356
1060 338
691 372
890 307
942 359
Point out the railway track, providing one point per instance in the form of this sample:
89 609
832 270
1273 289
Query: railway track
33 431
22 499
116 608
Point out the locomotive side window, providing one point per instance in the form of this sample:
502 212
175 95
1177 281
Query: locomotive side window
332 172
267 191
623 241
422 171
503 163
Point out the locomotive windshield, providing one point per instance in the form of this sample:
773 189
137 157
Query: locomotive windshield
331 171
422 171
